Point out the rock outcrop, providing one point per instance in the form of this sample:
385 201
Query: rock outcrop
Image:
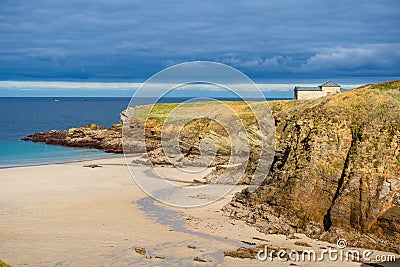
90 136
336 172
203 134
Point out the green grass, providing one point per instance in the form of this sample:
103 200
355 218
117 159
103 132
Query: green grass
3 264
394 85
157 114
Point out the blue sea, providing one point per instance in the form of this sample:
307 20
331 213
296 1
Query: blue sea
21 116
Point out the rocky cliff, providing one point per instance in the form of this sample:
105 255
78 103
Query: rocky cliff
336 172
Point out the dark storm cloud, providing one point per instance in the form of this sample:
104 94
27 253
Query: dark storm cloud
133 39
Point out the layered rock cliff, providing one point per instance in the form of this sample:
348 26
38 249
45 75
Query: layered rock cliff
336 172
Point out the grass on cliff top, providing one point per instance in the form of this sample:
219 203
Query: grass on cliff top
376 103
159 112
373 103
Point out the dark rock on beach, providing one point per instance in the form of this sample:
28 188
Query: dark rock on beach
199 259
140 250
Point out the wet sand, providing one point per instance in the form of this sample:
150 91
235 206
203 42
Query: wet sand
69 215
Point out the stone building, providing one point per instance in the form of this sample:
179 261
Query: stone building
327 88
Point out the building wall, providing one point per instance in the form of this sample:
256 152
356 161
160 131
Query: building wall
304 95
326 90
330 89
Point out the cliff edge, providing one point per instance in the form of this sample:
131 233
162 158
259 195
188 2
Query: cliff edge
336 172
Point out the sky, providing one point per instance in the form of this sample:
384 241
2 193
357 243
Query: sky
277 41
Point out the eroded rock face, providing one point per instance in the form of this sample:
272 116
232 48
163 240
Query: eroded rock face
336 173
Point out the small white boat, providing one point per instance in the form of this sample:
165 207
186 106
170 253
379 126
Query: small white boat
56 100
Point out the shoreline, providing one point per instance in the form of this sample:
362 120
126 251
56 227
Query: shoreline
64 214
112 155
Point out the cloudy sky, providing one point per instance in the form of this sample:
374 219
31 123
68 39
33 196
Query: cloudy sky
129 40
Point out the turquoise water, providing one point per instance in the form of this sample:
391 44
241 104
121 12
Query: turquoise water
14 154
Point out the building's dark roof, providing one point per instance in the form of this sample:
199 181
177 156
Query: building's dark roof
330 84
300 88
317 88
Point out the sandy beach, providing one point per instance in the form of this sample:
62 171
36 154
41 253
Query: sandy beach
70 215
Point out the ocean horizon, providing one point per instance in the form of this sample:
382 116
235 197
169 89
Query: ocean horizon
270 89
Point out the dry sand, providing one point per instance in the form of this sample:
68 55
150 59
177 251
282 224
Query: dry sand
68 215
